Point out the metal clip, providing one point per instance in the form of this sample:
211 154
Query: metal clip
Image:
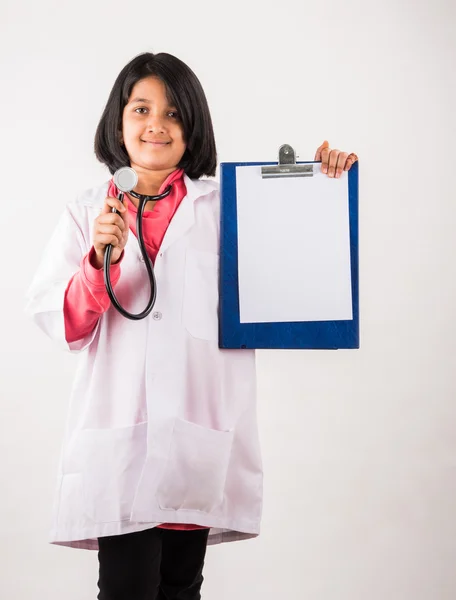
287 166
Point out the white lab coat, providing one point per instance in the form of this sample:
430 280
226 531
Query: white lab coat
162 424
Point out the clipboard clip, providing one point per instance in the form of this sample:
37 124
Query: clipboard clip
287 166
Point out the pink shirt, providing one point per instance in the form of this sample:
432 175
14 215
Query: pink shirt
86 298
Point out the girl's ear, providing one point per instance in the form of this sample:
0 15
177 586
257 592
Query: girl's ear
120 137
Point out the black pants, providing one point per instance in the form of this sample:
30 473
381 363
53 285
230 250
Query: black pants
156 564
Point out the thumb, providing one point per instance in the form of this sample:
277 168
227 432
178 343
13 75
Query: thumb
319 150
110 203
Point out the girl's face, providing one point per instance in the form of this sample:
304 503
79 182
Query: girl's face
151 128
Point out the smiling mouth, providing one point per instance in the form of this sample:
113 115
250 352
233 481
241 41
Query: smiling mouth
155 143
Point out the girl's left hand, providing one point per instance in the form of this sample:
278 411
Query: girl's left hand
334 162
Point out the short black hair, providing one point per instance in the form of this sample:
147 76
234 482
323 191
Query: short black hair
184 91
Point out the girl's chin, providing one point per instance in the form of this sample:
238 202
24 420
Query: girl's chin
153 165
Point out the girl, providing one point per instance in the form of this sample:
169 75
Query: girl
161 454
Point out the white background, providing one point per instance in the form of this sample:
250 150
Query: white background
359 446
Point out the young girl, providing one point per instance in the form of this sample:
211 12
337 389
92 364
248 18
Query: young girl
161 454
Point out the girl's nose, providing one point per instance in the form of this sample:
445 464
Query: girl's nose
155 123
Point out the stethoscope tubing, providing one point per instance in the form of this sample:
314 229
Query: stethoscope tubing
149 266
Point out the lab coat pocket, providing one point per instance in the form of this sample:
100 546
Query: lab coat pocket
201 294
196 468
113 462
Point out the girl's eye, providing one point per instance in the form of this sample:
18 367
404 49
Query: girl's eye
142 110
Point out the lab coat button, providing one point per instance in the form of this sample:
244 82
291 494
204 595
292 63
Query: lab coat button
157 315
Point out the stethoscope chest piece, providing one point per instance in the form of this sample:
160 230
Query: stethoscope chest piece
125 179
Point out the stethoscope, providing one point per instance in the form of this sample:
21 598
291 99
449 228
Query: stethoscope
125 180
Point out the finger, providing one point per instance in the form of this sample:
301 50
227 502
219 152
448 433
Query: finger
109 230
340 165
101 239
112 219
352 158
325 153
105 239
333 162
319 150
111 203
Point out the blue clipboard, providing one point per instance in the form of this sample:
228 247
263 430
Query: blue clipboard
284 335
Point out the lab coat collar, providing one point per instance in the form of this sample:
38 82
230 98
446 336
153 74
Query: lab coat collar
198 187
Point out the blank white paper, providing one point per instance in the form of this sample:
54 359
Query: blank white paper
293 247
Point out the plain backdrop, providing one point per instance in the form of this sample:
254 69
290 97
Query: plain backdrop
359 446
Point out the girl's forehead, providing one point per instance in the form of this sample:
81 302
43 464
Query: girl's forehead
150 88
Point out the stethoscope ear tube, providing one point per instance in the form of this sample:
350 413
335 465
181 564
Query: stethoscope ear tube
147 261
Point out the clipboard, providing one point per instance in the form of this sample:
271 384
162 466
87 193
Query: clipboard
250 316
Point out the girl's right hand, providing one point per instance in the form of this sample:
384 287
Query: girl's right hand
110 228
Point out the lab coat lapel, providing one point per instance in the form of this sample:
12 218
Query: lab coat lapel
183 219
184 216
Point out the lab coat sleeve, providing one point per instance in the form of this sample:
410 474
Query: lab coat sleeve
86 298
60 262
